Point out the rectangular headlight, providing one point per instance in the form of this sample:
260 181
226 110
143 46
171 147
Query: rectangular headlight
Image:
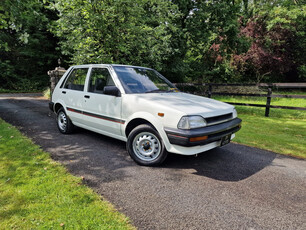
191 122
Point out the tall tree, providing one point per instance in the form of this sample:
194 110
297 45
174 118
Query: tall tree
212 32
277 36
27 49
131 32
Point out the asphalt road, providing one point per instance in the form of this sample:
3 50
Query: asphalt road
234 187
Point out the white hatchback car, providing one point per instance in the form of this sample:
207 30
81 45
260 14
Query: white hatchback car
141 107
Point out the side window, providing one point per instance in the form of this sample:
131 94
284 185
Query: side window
99 78
76 80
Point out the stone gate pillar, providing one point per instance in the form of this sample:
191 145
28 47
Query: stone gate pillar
55 75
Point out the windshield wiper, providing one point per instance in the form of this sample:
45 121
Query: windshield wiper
156 91
161 91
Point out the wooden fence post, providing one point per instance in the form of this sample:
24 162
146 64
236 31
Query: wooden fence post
209 90
268 102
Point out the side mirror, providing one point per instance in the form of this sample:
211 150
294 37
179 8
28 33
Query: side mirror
112 90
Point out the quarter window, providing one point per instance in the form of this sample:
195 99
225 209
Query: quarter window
76 80
99 78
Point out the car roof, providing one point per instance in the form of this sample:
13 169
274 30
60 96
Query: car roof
112 65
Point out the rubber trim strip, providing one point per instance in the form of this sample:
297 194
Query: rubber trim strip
96 116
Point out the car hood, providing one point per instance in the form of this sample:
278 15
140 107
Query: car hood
188 103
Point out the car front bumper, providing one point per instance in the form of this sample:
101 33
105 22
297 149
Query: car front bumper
214 133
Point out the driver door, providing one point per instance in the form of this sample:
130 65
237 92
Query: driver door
102 112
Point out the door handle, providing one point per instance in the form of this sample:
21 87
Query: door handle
87 96
64 92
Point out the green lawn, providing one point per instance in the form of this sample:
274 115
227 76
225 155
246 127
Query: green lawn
38 193
283 132
296 102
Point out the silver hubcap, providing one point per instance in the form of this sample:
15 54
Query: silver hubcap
146 146
62 121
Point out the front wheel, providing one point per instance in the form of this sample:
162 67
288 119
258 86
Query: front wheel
145 146
64 124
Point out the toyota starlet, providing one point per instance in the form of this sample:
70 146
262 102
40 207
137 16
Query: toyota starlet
141 107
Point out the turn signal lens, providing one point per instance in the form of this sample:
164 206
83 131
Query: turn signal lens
234 113
193 139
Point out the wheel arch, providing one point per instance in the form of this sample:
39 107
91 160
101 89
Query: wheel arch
136 122
57 106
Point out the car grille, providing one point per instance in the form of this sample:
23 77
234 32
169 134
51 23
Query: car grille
219 119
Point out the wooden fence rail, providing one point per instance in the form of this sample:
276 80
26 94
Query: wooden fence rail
269 94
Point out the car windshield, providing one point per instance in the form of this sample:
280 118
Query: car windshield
142 80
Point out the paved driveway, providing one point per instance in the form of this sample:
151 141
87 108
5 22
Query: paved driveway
234 187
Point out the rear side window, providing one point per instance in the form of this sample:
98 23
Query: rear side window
99 78
76 79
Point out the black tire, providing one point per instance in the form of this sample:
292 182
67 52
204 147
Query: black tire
64 124
145 146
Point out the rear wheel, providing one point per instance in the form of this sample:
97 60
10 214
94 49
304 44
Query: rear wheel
64 124
145 146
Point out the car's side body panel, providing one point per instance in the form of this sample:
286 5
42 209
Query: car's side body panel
103 112
91 128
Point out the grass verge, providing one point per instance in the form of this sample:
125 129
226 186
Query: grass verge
37 192
46 93
283 132
296 102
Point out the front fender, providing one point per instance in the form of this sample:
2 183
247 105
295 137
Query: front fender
155 121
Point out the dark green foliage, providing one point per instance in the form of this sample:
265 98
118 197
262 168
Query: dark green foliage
186 40
277 36
27 49
213 30
128 32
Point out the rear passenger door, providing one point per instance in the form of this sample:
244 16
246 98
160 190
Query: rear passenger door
73 94
102 112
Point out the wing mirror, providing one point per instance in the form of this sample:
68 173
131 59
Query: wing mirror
112 90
